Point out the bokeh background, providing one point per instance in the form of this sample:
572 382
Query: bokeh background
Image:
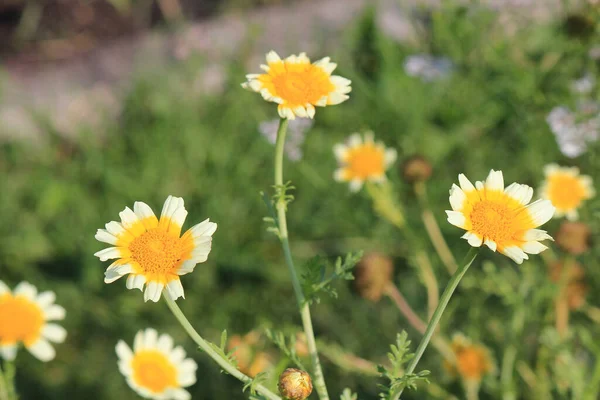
106 102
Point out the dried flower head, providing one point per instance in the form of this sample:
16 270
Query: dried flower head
574 237
297 86
250 360
373 273
576 289
500 218
294 384
416 169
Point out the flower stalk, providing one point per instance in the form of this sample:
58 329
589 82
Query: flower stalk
281 205
7 382
439 311
207 348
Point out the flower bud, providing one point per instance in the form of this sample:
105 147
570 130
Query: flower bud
294 384
416 169
573 237
373 273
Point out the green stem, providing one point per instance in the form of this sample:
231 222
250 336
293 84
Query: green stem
208 349
318 378
437 314
7 382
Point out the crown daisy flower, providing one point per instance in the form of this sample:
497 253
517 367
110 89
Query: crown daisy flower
566 189
500 218
151 251
155 369
25 317
362 161
297 86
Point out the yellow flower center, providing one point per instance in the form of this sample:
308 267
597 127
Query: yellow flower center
472 363
297 84
160 253
153 371
20 320
565 191
366 161
500 218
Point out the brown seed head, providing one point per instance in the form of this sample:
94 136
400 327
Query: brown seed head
575 289
416 169
294 384
373 273
573 237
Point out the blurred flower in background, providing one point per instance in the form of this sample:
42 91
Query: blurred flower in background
585 84
427 67
574 280
25 318
566 189
250 360
473 361
155 369
362 160
573 131
296 134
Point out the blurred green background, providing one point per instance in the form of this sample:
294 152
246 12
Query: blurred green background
488 112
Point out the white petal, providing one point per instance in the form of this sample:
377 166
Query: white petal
541 211
465 184
54 333
115 228
178 219
201 251
165 343
3 288
175 289
572 215
456 218
340 81
54 313
550 169
123 351
136 281
536 234
42 350
150 338
128 218
177 355
533 247
355 140
341 152
495 181
479 185
8 352
115 272
336 98
272 57
355 185
310 111
491 244
515 253
186 378
204 228
458 198
27 290
105 237
108 253
473 239
186 267
46 298
521 193
326 65
138 341
300 111
153 291
322 102
390 157
143 210
180 394
339 175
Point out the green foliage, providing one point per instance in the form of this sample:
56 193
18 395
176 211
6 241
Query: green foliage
259 379
289 350
348 395
221 350
315 279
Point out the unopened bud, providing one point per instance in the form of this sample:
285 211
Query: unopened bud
373 273
295 384
573 237
416 169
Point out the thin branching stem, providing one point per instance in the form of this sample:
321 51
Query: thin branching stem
281 205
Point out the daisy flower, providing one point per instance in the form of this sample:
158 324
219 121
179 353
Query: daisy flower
566 189
25 317
362 161
500 218
151 251
155 369
297 86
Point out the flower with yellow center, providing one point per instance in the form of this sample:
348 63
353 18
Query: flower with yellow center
25 317
151 250
297 86
155 369
566 189
472 361
500 218
362 161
